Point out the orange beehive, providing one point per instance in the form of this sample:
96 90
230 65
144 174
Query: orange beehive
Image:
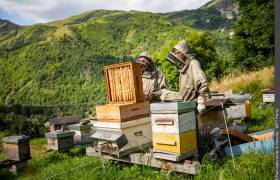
124 83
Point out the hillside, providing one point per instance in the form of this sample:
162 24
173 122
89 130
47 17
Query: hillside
214 15
7 29
62 62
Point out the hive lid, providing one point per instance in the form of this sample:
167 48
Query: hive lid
173 106
16 139
59 134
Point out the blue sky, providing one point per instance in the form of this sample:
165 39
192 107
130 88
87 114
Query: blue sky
26 12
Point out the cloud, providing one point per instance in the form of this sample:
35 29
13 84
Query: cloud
49 10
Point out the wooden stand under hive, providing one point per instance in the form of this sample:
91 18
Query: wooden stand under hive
174 130
123 126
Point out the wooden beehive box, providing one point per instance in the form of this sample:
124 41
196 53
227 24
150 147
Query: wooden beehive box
60 140
173 118
174 146
268 95
124 83
132 135
16 148
82 133
174 130
122 112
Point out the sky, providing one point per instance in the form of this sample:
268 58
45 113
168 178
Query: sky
26 12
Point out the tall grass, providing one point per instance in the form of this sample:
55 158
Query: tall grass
264 76
75 165
248 166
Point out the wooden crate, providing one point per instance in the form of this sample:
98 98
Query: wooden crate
124 83
122 112
209 120
16 148
138 133
175 144
239 111
60 140
173 123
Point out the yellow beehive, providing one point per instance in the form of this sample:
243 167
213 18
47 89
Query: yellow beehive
174 143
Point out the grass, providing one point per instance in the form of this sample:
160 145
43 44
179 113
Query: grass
248 166
264 76
75 165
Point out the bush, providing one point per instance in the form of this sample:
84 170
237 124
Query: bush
254 88
262 118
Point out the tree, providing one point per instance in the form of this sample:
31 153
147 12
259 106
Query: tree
253 40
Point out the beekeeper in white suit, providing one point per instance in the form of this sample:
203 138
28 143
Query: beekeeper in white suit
193 85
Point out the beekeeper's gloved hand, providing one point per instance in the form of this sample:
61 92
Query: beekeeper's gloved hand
200 104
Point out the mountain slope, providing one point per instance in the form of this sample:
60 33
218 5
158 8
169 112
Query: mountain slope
62 62
7 29
215 14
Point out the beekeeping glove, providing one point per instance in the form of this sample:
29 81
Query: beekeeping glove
200 104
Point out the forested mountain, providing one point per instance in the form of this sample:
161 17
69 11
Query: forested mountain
62 62
214 15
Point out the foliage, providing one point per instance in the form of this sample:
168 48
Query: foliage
253 40
254 88
204 50
262 118
62 62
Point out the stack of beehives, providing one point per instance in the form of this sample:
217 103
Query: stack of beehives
174 130
123 125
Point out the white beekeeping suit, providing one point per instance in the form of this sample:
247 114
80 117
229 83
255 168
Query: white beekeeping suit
193 84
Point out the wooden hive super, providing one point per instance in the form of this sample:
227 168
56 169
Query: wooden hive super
174 130
16 148
125 94
124 83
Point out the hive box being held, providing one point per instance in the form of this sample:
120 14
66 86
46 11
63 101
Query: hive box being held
124 83
16 148
60 140
82 133
122 112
